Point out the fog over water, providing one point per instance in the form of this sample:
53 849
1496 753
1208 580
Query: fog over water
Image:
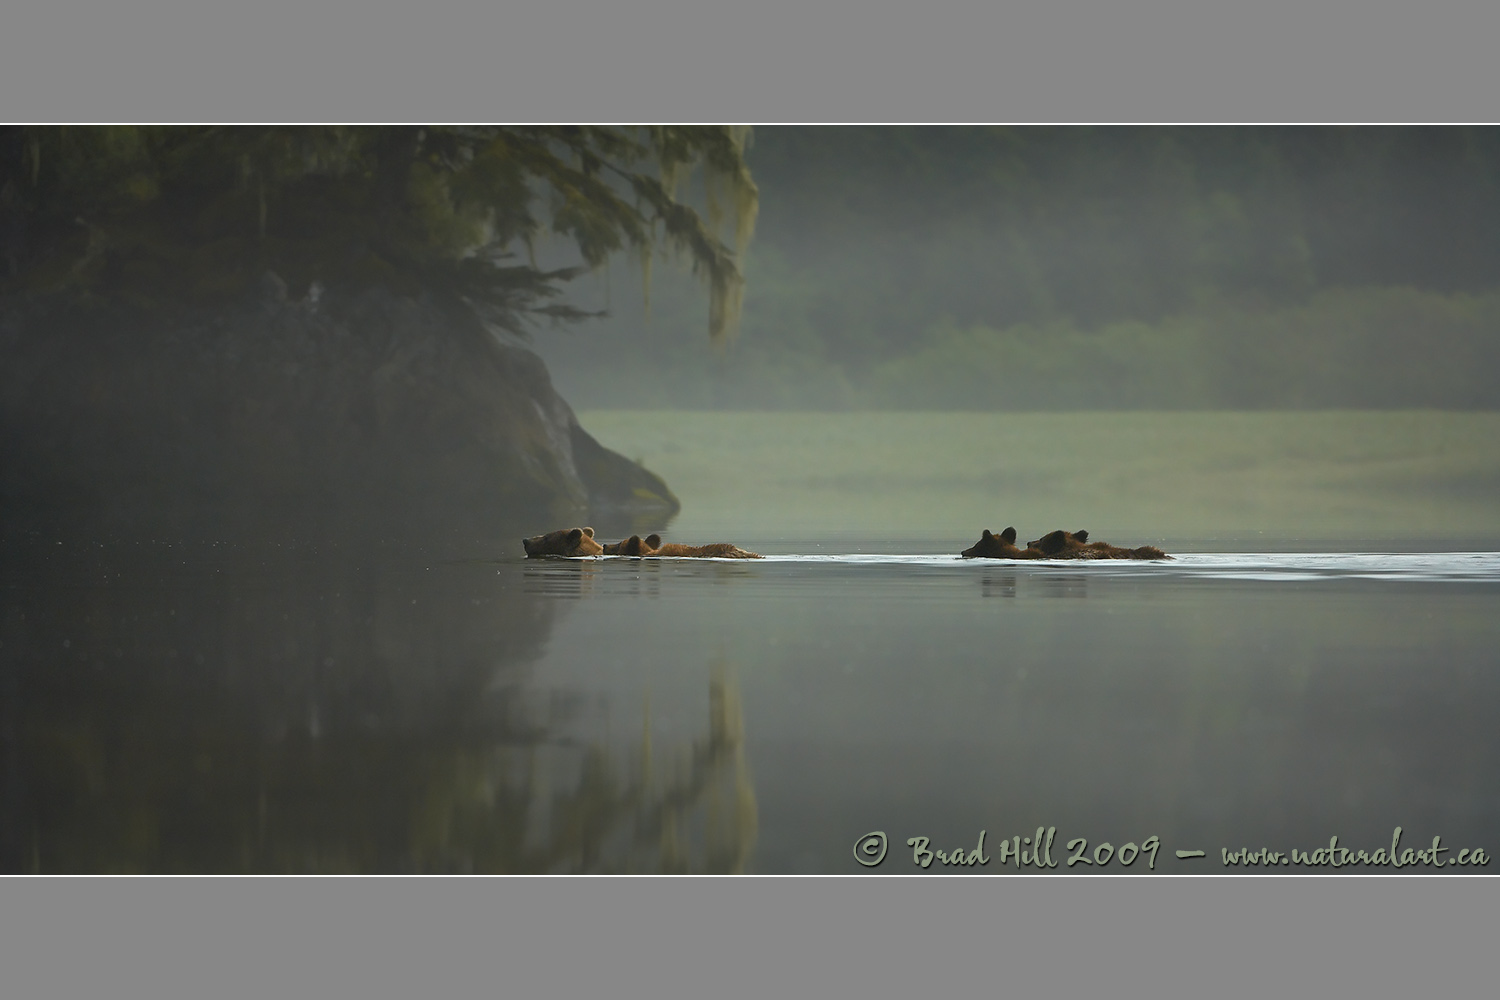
1209 482
940 268
1273 353
1222 703
183 710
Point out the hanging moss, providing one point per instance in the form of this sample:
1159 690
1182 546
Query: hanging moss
161 215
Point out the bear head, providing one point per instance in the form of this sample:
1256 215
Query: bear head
565 542
1058 543
635 545
991 546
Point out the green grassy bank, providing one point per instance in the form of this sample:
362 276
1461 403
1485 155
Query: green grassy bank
1204 480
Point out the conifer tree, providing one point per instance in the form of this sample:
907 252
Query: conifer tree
160 215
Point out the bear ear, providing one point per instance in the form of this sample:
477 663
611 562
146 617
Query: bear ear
589 532
653 540
1082 536
575 536
1008 535
986 536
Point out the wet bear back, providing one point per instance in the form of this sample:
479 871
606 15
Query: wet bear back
717 550
1076 545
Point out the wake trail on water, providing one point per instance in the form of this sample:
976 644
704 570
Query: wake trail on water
1415 566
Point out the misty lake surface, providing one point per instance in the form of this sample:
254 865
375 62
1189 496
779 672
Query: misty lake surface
1319 661
174 710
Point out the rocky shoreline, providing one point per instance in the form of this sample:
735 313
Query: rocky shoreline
332 415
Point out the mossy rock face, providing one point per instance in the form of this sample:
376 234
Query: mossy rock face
328 416
614 481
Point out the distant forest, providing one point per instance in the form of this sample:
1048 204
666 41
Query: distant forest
1101 267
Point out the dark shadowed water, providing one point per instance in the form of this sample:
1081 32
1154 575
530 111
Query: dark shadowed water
167 709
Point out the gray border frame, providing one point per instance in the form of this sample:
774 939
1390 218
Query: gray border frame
171 60
676 60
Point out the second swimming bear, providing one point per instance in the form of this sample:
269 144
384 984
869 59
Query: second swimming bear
652 545
1055 545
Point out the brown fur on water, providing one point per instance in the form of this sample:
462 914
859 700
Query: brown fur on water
716 550
1001 546
564 542
635 545
652 545
1076 545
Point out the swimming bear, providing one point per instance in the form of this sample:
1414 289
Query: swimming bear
1001 546
1055 545
635 545
652 545
565 542
1076 545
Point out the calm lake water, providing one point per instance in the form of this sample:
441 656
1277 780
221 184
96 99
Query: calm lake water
168 708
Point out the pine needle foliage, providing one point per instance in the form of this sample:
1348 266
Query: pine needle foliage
157 215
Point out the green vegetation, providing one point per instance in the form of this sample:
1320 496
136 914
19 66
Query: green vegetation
1029 225
1012 268
1204 480
250 331
1062 268
214 711
156 216
1364 348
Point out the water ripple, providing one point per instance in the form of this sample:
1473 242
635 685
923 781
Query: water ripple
1273 566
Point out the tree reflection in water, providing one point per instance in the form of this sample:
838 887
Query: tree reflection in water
227 714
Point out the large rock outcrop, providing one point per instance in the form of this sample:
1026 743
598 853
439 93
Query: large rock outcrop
332 416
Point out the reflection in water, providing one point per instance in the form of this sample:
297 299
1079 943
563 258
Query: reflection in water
587 808
210 711
561 577
204 711
706 785
1033 585
998 585
1220 701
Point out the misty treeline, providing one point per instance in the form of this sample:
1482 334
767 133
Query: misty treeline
1061 268
164 216
926 267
